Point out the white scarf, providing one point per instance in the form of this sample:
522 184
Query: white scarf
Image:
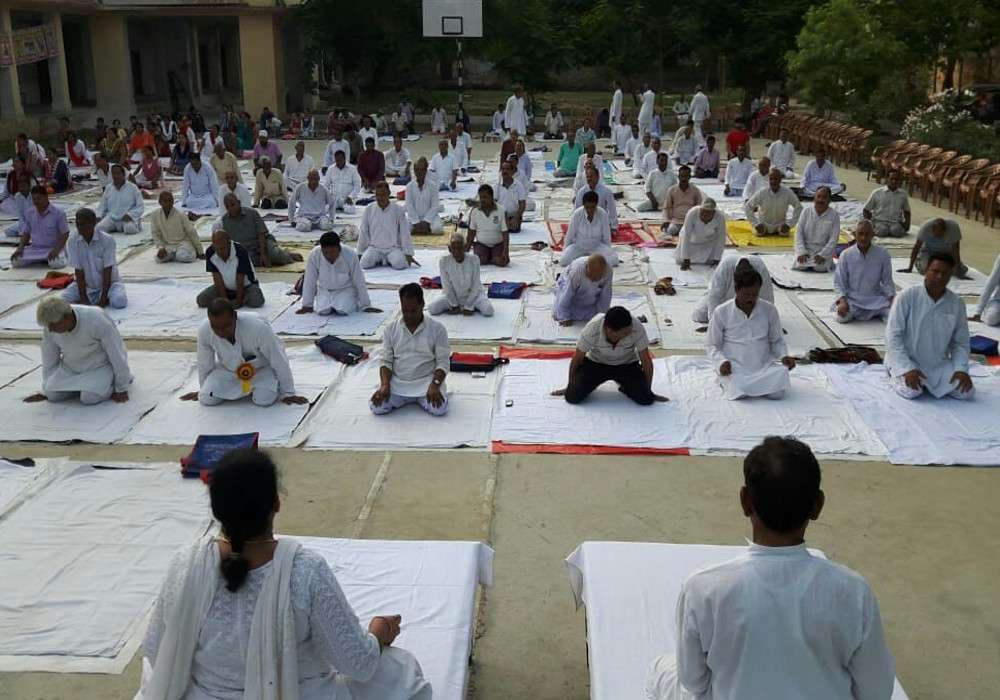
272 662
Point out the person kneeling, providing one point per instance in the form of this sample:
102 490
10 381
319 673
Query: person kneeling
241 355
613 347
583 290
334 282
461 286
416 358
745 337
95 265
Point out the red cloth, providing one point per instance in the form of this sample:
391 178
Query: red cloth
624 235
141 140
371 166
735 139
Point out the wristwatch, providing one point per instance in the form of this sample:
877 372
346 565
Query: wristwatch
436 381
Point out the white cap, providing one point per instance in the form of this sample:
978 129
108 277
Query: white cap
262 132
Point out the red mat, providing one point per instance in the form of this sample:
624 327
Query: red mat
993 360
628 233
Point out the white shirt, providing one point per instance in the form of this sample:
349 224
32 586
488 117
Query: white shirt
737 172
422 202
198 183
772 207
395 161
489 228
342 182
242 193
659 181
777 622
581 169
814 176
298 170
680 108
510 198
443 168
514 117
685 147
605 200
932 336
460 281
118 202
782 155
722 286
208 144
414 357
747 342
991 290
460 155
646 110
553 123
649 160
755 183
817 234
94 257
438 117
92 344
586 232
616 106
343 274
368 132
887 206
332 147
622 135
384 229
864 279
498 121
700 110
255 342
312 203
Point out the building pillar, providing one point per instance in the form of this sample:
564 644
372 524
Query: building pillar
10 86
259 51
214 59
197 89
58 75
112 65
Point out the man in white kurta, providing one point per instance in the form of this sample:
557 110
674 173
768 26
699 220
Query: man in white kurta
590 158
703 235
335 145
83 355
605 197
988 307
443 168
342 181
782 154
819 172
888 208
514 116
615 113
759 179
121 205
236 188
637 152
423 208
776 621
685 146
649 160
231 343
200 189
298 167
646 109
767 210
311 205
927 337
816 234
747 344
621 135
863 279
334 282
174 236
462 289
658 181
385 235
722 287
589 232
738 169
93 257
511 197
583 290
397 159
416 357
700 109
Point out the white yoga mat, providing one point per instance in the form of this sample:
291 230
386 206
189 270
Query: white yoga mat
18 360
673 314
143 266
925 430
663 263
630 591
782 274
354 325
528 266
95 543
162 308
432 585
176 422
531 232
157 375
853 333
607 418
970 287
18 482
801 335
500 326
538 326
16 293
464 190
343 421
811 411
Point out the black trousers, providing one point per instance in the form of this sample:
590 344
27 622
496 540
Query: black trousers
590 375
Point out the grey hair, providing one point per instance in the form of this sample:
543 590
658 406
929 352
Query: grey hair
456 238
864 223
52 309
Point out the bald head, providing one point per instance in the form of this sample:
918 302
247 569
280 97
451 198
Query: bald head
597 267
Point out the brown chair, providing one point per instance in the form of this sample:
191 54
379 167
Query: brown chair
924 168
987 200
969 189
937 175
952 183
911 163
882 154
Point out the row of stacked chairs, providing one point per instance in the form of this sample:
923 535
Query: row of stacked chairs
842 142
968 183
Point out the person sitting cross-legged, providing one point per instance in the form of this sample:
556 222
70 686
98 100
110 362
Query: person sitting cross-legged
678 201
443 168
659 180
92 255
334 282
815 625
83 355
461 285
583 290
174 236
299 166
385 235
988 307
488 236
613 346
44 232
121 204
416 357
927 337
511 196
233 274
888 208
745 339
269 187
863 279
397 160
229 342
589 232
423 207
371 165
200 188
816 234
246 227
231 185
767 209
605 197
311 205
818 173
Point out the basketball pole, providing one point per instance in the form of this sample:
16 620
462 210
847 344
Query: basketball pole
459 42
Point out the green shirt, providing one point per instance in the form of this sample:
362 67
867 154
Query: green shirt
569 156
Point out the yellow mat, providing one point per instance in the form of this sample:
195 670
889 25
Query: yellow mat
742 234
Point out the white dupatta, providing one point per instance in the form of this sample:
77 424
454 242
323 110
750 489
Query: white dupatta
272 671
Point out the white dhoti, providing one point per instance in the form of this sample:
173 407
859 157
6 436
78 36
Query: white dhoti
481 304
394 257
223 385
771 381
305 224
111 225
699 252
578 250
201 204
336 301
92 386
183 252
117 299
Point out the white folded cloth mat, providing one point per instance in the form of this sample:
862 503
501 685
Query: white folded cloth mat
18 360
18 482
538 326
526 266
16 293
663 263
142 265
342 419
854 333
500 326
157 375
161 308
971 287
629 591
176 422
925 430
531 232
780 266
357 324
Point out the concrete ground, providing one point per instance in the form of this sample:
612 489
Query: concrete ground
923 536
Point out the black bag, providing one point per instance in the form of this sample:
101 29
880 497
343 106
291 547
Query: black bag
341 350
848 355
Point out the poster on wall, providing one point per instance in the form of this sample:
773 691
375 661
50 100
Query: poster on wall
29 45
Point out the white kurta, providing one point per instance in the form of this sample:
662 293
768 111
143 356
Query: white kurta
737 172
422 204
817 234
510 197
621 135
414 357
119 202
815 176
514 116
605 200
384 230
782 155
932 336
256 343
461 282
396 161
776 622
989 300
646 110
586 236
338 287
332 147
755 183
616 107
581 169
297 171
751 344
685 148
310 204
658 182
241 191
700 109
770 208
342 183
865 280
200 189
90 359
722 287
700 242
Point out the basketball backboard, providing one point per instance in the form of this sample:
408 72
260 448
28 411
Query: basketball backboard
456 19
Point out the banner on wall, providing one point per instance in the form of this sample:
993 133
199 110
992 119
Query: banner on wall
29 45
